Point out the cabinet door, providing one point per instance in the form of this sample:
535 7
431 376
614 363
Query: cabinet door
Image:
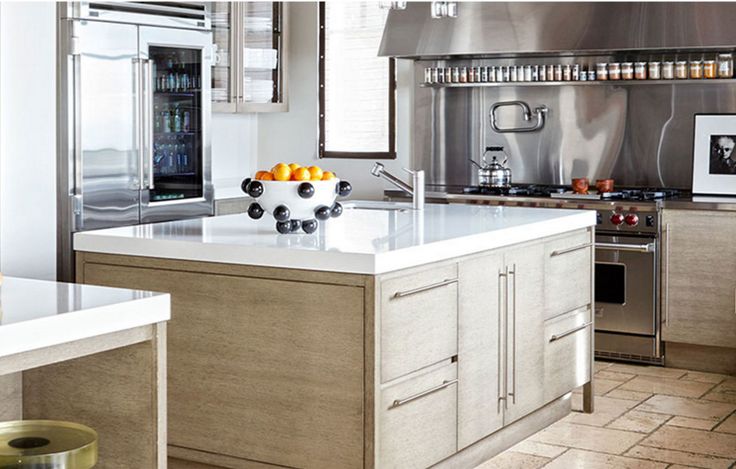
699 277
480 410
524 330
224 60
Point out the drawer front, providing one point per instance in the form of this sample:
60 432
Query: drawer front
418 420
567 353
567 266
418 321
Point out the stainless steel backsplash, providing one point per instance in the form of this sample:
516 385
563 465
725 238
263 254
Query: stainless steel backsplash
639 134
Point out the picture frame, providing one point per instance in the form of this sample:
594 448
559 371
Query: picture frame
714 154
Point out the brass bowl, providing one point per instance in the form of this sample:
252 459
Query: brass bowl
47 444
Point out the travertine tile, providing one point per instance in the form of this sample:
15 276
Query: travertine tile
678 466
606 409
538 449
637 421
714 378
598 365
687 422
577 459
630 395
614 376
693 441
668 386
728 426
602 386
694 408
513 460
648 370
679 457
604 440
724 392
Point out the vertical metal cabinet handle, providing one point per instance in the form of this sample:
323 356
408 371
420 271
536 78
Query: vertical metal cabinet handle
138 128
506 338
666 302
513 335
501 365
75 88
406 400
147 119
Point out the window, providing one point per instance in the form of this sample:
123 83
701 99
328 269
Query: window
357 115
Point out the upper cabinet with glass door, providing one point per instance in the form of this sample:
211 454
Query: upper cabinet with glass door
249 66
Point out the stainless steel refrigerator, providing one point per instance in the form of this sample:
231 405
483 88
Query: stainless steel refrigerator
134 116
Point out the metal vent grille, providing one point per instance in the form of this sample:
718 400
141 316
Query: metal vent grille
192 10
627 357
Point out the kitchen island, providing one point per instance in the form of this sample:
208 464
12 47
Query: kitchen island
90 355
389 338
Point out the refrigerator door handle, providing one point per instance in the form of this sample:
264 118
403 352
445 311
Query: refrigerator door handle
138 127
147 93
76 182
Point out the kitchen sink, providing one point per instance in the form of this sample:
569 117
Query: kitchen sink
376 205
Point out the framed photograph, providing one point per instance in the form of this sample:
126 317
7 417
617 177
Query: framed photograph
714 158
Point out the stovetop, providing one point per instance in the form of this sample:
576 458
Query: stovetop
543 190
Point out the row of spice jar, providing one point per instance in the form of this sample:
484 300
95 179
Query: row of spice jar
666 70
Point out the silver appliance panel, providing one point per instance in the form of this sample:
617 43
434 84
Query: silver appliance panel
625 285
493 28
638 134
106 91
181 15
201 204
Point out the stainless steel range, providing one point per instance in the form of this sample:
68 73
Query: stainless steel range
627 255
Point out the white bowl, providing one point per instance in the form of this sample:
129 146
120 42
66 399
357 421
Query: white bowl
286 193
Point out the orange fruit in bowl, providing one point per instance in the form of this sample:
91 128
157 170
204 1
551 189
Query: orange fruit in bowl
260 174
281 172
301 174
266 176
328 175
294 166
316 173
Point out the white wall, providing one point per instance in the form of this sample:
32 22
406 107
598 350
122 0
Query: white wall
28 139
234 148
293 136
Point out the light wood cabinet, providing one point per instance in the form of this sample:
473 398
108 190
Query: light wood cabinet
567 363
566 272
699 277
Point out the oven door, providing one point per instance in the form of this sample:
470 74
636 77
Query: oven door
625 284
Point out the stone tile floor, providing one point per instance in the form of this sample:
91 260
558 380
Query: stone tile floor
645 417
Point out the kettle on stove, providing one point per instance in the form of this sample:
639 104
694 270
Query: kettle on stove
494 175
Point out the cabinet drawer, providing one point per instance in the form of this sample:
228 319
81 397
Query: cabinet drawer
567 265
566 353
418 321
418 420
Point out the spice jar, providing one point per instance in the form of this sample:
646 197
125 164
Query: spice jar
471 75
512 73
591 75
528 73
640 70
709 69
427 75
725 65
484 74
455 74
583 75
627 71
448 74
614 71
567 73
464 75
494 74
551 73
558 72
601 71
696 69
681 69
576 72
655 71
668 70
506 73
535 73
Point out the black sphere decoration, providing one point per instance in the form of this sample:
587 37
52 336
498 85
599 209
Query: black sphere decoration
255 211
344 188
310 226
322 212
255 189
244 185
281 213
305 190
283 227
295 225
336 210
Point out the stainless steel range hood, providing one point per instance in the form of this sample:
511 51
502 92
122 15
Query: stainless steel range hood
511 28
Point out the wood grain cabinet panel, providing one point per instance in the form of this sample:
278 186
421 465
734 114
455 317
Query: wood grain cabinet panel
418 320
236 389
418 420
699 277
567 261
566 353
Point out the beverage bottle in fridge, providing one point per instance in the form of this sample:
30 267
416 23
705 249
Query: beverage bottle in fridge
186 125
177 120
166 119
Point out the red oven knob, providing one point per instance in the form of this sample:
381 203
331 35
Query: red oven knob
631 219
617 218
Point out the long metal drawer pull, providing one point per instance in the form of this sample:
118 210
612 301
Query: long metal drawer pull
666 269
501 366
559 252
556 337
649 247
400 402
401 294
513 335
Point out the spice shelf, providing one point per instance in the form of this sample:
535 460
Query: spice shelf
704 81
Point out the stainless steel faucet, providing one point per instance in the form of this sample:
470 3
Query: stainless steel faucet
417 186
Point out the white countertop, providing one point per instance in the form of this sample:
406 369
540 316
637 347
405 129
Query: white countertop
36 313
360 241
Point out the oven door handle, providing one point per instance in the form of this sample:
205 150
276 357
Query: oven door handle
649 247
